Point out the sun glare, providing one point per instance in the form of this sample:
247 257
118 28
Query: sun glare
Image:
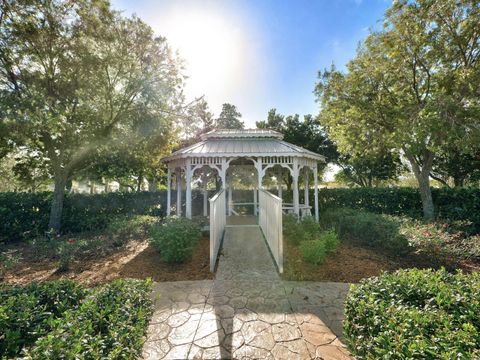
214 48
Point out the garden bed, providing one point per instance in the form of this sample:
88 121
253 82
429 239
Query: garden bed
349 264
137 259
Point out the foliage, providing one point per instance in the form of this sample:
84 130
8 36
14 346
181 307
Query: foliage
414 314
123 229
412 88
298 230
443 243
368 171
175 239
27 313
315 251
25 215
366 229
229 118
450 204
109 323
103 79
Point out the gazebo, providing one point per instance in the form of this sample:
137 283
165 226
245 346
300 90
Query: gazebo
262 150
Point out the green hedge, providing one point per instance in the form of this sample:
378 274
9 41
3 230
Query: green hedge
25 215
414 314
450 204
366 229
63 320
26 313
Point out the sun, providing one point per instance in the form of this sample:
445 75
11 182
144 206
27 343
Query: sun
214 48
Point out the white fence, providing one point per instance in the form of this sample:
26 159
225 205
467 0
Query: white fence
218 219
270 220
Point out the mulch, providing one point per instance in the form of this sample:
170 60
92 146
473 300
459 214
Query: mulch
137 260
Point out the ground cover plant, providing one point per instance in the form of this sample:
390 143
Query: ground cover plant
415 314
62 319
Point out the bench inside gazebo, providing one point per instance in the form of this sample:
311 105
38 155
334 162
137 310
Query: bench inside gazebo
250 160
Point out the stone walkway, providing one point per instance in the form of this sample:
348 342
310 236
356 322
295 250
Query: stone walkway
247 311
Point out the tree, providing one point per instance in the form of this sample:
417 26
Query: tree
229 118
369 171
461 168
412 87
77 76
274 121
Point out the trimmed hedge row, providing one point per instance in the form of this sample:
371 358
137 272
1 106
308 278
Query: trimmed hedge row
414 314
63 320
450 204
25 215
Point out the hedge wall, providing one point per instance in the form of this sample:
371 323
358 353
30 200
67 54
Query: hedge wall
450 204
25 215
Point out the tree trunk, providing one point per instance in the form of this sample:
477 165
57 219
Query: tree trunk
56 209
140 181
422 174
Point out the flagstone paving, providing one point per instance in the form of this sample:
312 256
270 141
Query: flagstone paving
247 311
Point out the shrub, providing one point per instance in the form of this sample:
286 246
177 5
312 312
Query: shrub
421 314
298 230
26 313
450 204
367 229
442 243
110 323
122 229
315 251
175 239
25 215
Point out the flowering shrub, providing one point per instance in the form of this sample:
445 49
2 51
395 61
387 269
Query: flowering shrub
414 314
441 242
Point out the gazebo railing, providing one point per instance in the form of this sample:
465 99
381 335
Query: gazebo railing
270 221
218 220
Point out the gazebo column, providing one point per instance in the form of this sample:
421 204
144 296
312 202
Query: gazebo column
205 194
255 201
178 176
279 183
315 182
296 201
188 193
305 185
230 206
169 190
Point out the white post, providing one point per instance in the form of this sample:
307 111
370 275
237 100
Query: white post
315 181
230 199
205 195
279 183
178 175
296 204
169 190
307 202
255 201
188 194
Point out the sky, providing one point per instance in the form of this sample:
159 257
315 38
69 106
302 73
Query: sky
259 54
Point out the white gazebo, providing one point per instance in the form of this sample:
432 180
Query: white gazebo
220 151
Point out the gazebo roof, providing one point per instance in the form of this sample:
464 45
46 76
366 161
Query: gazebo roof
243 143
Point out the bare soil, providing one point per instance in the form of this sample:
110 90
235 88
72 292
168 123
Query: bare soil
136 260
348 263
